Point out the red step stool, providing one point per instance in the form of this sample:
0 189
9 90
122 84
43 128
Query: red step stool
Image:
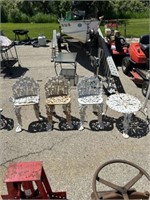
28 180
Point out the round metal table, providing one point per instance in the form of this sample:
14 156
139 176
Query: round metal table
126 104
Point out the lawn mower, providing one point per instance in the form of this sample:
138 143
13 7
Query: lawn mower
137 63
115 42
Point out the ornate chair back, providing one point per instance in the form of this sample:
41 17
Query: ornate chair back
89 86
24 87
57 86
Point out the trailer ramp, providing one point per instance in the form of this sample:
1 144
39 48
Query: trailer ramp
108 68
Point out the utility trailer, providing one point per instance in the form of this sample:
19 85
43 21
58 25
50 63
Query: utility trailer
107 68
104 61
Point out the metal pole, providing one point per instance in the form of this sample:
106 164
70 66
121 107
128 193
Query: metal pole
148 91
147 96
98 60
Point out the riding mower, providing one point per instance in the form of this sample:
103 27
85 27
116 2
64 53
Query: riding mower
27 180
137 63
116 43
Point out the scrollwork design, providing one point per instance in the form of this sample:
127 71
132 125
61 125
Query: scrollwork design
25 86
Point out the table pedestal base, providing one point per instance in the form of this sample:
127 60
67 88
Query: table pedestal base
127 118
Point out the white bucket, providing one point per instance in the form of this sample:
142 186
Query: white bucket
42 40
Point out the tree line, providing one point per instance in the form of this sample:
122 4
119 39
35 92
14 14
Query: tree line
24 11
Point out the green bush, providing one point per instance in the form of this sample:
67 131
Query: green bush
24 18
140 15
136 15
43 18
53 19
14 15
4 17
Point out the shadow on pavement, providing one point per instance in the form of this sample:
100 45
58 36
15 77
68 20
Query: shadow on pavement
107 122
82 58
6 123
41 126
137 127
64 127
13 71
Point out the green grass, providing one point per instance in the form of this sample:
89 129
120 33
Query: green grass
134 28
137 27
34 29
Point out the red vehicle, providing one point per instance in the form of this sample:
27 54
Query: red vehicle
116 43
137 63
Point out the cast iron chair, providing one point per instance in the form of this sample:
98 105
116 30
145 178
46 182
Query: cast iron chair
25 93
57 91
90 91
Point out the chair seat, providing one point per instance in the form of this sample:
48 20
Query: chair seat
26 101
91 99
58 100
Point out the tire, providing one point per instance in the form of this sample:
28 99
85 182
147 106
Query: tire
126 66
145 88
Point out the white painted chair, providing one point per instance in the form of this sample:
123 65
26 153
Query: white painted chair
90 91
57 91
25 93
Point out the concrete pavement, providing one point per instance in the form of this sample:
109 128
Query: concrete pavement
70 157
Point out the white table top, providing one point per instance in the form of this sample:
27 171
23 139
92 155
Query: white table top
124 103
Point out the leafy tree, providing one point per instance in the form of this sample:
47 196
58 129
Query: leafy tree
104 8
26 7
14 15
65 5
7 6
120 8
25 10
4 17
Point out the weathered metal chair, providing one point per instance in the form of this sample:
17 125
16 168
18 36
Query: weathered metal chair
57 91
90 91
25 93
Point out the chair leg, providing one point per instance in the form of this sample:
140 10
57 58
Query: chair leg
100 111
82 109
37 111
67 109
49 112
95 108
18 115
